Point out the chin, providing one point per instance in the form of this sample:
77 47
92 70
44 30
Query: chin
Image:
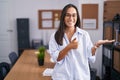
71 25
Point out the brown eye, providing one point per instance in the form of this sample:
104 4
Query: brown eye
74 15
71 15
68 15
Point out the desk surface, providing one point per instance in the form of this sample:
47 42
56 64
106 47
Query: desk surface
27 68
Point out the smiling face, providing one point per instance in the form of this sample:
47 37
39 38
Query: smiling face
70 17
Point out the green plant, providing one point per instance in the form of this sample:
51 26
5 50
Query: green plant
41 53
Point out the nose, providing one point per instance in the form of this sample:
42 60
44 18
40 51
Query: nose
71 17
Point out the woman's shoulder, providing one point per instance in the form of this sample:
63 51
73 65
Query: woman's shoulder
53 34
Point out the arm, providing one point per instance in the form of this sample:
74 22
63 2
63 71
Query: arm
99 43
63 53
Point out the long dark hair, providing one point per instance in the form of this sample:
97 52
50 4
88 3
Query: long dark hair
62 26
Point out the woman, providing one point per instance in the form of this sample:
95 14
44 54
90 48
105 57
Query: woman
71 48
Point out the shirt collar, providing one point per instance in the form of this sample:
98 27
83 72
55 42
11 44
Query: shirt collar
79 31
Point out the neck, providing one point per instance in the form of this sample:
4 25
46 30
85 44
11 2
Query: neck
70 30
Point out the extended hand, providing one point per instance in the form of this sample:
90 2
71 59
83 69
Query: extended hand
101 42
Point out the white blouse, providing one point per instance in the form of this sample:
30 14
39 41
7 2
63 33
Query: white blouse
75 65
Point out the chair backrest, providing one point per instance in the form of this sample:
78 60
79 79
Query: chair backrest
4 69
13 58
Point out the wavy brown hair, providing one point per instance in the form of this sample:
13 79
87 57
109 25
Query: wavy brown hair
62 26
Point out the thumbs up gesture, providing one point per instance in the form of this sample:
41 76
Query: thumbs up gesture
74 44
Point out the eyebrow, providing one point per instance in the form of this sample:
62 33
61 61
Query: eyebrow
70 13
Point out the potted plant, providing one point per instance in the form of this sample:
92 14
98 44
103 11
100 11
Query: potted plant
41 55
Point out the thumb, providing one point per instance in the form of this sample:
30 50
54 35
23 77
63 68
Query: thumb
74 40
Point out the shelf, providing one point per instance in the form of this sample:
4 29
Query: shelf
107 61
109 46
110 55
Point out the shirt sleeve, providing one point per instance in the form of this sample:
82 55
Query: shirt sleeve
89 46
54 49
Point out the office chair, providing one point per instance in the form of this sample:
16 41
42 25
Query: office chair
4 69
13 58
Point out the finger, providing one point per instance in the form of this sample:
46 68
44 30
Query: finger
113 40
109 41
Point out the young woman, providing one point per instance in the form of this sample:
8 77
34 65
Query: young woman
71 48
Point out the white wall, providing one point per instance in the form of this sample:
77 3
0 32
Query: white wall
29 9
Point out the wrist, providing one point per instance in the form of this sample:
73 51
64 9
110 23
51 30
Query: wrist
96 45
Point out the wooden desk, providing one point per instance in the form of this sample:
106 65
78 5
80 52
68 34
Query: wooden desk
27 68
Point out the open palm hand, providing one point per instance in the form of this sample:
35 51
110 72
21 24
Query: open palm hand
101 42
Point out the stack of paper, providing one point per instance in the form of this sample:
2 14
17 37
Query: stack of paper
48 72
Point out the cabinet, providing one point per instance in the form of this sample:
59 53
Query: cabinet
115 73
23 34
111 53
107 61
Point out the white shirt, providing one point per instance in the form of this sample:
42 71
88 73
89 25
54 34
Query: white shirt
75 65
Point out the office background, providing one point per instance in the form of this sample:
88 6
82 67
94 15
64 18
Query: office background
29 9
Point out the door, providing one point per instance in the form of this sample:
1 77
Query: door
5 31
